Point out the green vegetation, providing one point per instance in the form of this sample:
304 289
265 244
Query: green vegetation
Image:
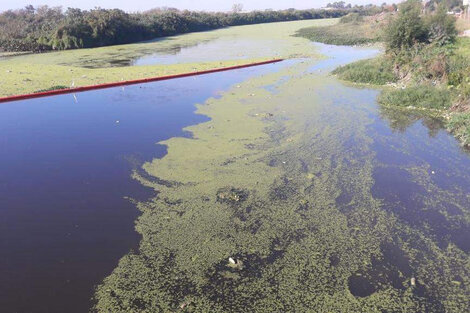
459 124
269 208
22 78
428 97
353 29
44 28
29 73
52 88
426 61
378 71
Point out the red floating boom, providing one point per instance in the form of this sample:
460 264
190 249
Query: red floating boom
129 82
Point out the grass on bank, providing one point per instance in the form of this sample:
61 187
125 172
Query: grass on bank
424 96
459 125
378 71
430 76
352 29
424 58
451 94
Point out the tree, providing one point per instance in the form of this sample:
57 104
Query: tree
408 28
441 26
237 8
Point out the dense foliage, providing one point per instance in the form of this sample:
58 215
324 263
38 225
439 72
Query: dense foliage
44 28
411 27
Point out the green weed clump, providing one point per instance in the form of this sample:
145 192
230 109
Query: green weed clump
428 97
459 125
51 88
372 71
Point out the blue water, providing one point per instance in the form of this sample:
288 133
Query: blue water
65 166
340 55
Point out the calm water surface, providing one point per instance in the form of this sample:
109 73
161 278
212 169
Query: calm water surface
65 166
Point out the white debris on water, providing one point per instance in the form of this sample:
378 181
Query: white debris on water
232 261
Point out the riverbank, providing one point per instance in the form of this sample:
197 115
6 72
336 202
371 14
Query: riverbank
30 73
427 79
448 100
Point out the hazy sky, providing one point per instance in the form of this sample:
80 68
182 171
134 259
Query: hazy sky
207 5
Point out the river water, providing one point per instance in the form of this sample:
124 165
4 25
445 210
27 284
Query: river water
65 179
66 161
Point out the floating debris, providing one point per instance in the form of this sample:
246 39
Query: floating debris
232 195
235 264
413 281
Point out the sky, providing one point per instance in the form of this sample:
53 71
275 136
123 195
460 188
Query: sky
200 5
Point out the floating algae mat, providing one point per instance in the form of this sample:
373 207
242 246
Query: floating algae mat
300 195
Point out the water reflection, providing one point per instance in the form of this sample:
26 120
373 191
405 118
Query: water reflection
400 119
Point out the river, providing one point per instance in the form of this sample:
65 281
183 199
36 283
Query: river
66 193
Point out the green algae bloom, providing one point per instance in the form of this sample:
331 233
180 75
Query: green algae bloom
281 184
278 204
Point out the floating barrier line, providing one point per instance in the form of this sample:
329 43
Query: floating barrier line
129 82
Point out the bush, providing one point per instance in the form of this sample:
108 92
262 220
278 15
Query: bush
429 97
459 69
441 27
407 29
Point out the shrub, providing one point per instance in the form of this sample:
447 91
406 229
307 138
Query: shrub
441 27
407 29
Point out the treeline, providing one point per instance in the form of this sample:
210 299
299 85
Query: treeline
44 28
